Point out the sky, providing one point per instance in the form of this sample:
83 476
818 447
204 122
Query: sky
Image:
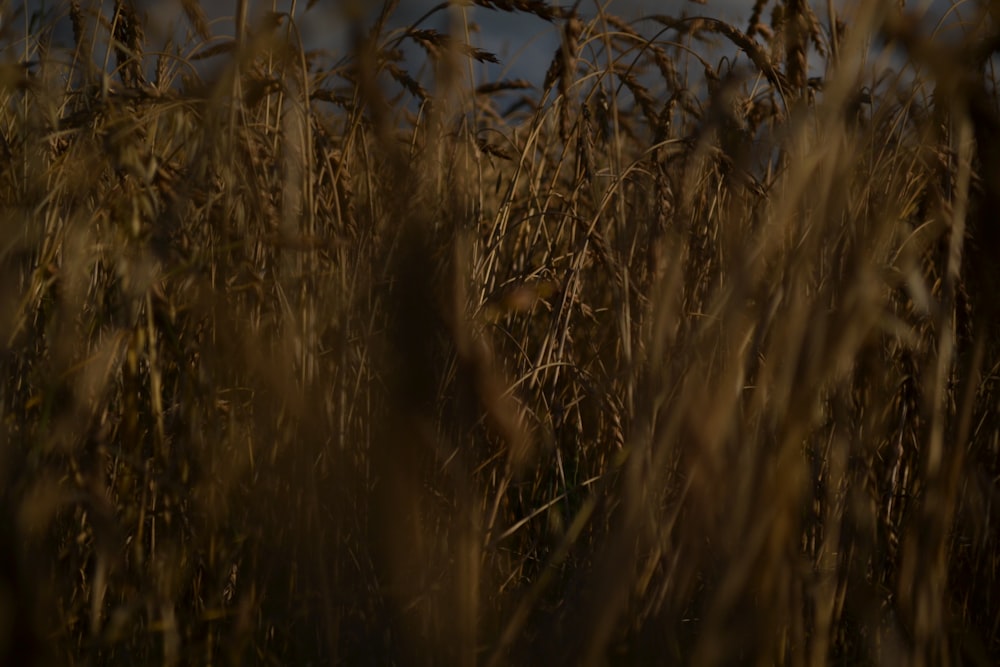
506 34
524 43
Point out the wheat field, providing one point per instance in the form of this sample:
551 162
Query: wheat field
685 353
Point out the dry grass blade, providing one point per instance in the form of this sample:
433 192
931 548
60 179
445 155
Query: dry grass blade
660 57
745 43
562 72
755 15
319 358
129 40
795 27
539 8
222 48
499 86
437 45
196 17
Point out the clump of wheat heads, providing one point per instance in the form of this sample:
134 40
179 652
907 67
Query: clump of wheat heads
318 357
